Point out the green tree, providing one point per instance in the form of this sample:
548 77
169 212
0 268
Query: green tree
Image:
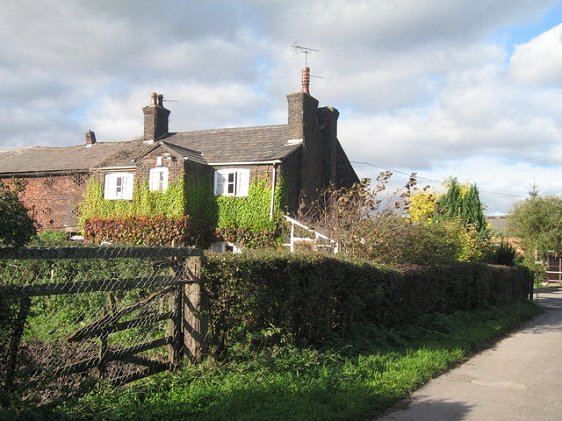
472 210
449 206
17 227
537 221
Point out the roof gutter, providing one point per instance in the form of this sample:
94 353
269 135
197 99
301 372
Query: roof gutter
131 167
42 173
276 161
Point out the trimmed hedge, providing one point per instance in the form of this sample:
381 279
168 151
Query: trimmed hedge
264 298
140 230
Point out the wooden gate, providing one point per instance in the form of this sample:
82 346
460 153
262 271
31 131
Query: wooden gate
102 347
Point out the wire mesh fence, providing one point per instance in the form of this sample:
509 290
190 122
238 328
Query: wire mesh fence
72 316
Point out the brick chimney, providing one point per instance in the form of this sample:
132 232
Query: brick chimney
155 118
90 138
303 126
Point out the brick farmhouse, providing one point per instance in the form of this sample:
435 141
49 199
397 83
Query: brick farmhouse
306 151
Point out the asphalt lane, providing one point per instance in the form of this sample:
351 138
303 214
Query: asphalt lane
520 378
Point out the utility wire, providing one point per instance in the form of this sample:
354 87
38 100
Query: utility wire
511 162
431 179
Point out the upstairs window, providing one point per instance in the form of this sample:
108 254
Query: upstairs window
232 182
158 180
118 186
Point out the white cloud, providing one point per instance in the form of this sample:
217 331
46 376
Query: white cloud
540 60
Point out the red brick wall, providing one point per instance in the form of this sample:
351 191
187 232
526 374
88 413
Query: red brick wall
53 200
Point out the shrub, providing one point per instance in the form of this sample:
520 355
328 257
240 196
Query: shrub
140 230
504 254
17 227
304 298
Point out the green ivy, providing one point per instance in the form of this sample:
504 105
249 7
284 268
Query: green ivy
170 203
247 219
251 212
237 219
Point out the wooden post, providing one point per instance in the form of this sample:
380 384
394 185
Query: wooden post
103 355
531 288
174 327
195 312
13 348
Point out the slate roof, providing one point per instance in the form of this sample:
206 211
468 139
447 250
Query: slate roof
246 144
68 158
240 144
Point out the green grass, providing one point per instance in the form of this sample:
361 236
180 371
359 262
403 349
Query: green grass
354 377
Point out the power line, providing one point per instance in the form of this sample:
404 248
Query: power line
431 179
511 162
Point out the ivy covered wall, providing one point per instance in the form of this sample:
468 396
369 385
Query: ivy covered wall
245 220
170 204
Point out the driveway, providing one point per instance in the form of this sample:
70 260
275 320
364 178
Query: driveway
520 378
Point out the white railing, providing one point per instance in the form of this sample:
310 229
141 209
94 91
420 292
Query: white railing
312 241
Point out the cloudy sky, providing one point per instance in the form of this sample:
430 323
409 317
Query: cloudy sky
464 88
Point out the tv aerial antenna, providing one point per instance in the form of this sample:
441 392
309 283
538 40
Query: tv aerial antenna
299 49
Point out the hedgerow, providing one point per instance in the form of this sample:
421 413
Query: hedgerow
262 298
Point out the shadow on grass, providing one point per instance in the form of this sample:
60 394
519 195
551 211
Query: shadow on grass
356 377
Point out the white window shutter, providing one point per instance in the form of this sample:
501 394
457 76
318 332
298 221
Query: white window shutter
127 187
243 179
157 174
219 183
153 180
109 187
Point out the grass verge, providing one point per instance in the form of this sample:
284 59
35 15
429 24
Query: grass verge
356 376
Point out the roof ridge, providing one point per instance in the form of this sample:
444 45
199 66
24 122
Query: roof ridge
223 129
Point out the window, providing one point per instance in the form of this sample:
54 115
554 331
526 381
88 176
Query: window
158 180
232 182
224 247
118 185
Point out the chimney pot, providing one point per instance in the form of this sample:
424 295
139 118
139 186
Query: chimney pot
161 100
154 99
305 80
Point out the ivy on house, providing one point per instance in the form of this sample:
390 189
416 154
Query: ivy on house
247 219
151 218
170 204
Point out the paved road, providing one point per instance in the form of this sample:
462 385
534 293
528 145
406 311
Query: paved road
518 379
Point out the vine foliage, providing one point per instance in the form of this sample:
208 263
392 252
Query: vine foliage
153 217
247 220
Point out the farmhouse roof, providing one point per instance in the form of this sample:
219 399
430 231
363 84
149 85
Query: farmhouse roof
68 158
240 145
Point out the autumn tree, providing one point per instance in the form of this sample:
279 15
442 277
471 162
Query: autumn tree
460 213
537 221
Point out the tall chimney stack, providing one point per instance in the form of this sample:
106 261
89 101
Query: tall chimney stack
155 118
90 138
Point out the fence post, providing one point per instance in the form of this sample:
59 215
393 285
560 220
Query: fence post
174 327
13 348
195 312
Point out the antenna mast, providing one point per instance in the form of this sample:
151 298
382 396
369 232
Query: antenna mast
299 49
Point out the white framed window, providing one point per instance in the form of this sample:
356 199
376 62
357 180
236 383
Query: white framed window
232 182
225 247
158 179
118 186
